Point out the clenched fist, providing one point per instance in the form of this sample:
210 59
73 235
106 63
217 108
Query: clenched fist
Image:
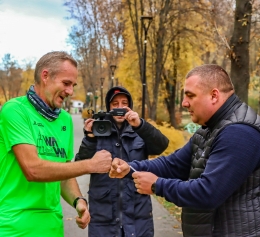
101 162
119 168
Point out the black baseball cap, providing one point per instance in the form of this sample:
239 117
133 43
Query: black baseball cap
114 91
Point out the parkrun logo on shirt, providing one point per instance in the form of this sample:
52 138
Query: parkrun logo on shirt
49 146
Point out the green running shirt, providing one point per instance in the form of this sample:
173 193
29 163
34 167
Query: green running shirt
31 209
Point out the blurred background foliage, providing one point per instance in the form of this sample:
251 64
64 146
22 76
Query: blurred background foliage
182 35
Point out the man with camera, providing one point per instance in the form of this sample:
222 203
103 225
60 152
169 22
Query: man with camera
115 207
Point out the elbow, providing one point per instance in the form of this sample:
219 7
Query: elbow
211 202
164 145
31 175
159 149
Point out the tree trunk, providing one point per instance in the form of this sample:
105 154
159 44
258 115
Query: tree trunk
239 48
171 85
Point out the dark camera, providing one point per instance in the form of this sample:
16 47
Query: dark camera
118 112
102 127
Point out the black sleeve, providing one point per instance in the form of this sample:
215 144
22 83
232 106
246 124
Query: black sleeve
154 140
87 148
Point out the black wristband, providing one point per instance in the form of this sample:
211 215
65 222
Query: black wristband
87 132
76 201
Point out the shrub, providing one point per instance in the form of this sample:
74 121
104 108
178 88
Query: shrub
176 137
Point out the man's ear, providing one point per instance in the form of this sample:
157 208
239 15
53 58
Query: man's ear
215 95
44 75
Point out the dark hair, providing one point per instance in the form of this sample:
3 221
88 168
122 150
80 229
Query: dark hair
212 75
51 61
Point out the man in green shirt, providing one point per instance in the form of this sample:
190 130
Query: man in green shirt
36 147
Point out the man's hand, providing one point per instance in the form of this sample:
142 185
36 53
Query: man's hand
88 125
143 181
132 117
83 217
101 162
119 168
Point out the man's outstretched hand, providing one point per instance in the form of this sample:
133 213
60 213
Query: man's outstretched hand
101 162
119 168
143 181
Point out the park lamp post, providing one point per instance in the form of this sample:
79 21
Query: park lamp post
95 97
145 21
102 79
112 68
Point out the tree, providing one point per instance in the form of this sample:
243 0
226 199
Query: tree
28 77
95 38
239 48
10 77
183 34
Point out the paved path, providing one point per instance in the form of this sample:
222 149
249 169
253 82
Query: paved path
165 224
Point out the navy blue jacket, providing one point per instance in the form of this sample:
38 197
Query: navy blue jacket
228 187
115 202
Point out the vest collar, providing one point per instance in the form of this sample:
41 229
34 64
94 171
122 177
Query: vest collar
226 109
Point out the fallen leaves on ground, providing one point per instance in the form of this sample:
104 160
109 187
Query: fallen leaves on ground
171 208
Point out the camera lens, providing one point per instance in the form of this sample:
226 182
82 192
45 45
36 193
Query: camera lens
101 129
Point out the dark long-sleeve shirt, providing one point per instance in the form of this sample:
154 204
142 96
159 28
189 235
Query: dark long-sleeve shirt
234 155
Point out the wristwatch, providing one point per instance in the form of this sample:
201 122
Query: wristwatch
76 201
153 187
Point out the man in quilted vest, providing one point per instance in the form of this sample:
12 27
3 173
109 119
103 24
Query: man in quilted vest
215 176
